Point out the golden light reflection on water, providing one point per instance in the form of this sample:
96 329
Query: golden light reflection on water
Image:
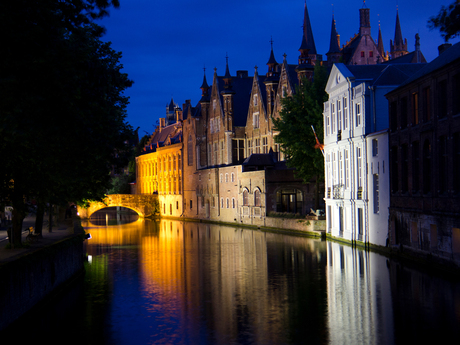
226 284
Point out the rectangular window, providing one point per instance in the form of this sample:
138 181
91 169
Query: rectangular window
371 54
415 167
345 113
359 167
393 116
249 147
255 118
265 144
339 115
191 204
333 117
257 145
404 168
347 169
376 194
455 93
358 114
403 112
415 119
442 99
375 147
426 104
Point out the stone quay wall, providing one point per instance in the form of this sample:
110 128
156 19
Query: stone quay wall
31 278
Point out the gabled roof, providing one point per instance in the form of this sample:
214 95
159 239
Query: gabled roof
242 86
407 58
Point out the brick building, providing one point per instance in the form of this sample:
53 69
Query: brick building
424 144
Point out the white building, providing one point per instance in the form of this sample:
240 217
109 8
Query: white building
356 149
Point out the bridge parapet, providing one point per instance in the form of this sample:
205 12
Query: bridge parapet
146 205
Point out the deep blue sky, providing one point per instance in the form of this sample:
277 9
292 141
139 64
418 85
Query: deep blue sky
166 44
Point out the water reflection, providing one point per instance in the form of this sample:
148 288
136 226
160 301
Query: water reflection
171 282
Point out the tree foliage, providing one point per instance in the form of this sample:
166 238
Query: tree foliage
447 21
299 112
63 111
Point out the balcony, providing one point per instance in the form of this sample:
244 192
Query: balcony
337 192
339 135
360 193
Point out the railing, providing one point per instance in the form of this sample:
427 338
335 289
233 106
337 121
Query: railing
360 193
328 192
339 135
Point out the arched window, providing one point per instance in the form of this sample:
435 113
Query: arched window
257 197
222 203
233 203
245 198
228 203
233 177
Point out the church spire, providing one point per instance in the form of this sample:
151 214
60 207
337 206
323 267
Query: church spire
335 53
398 47
307 40
380 44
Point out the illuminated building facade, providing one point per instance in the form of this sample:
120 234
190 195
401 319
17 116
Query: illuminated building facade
356 149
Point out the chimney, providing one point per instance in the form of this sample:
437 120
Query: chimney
242 74
443 47
162 123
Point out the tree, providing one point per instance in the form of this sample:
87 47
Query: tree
299 112
62 105
447 21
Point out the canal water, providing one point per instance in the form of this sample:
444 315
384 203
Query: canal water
172 282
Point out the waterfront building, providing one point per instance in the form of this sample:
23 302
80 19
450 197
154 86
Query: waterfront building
159 168
356 150
424 141
233 170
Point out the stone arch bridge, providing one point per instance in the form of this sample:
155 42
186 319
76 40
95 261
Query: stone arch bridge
145 205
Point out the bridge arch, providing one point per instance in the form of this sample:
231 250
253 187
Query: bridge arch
145 205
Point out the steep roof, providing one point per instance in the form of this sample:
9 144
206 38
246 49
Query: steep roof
334 42
448 56
308 41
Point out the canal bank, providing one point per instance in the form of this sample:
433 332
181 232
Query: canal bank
34 273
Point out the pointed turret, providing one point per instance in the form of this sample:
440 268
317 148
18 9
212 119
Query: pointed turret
398 47
307 40
204 89
335 53
273 66
380 46
227 78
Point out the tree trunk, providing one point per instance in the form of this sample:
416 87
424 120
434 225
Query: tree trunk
39 217
19 214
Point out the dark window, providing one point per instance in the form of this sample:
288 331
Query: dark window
362 54
376 194
456 161
404 168
442 99
394 169
415 167
415 118
371 54
455 93
443 175
289 200
375 147
426 167
403 112
191 204
393 116
427 104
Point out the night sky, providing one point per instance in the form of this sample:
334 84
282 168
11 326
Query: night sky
166 44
